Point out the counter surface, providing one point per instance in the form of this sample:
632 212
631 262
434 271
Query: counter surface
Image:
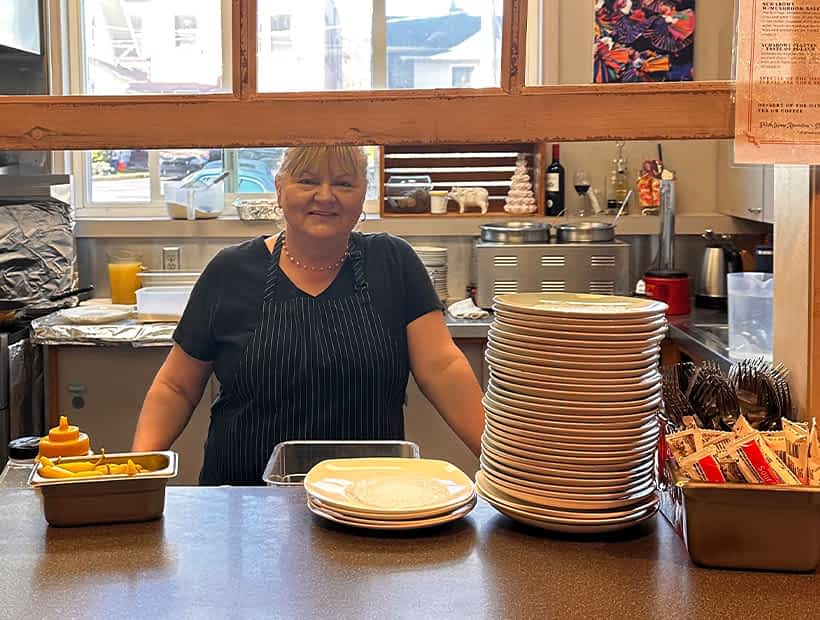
259 553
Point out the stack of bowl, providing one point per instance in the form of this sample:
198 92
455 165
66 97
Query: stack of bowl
435 260
571 434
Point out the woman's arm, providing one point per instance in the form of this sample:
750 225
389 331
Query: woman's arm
172 398
445 377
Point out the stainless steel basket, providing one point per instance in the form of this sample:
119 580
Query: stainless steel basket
292 460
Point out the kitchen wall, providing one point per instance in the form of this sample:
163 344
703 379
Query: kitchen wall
92 256
698 163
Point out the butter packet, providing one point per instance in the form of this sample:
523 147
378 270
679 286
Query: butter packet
813 461
797 449
683 443
703 466
758 463
776 440
742 427
719 439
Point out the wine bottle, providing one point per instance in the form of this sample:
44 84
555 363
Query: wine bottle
555 183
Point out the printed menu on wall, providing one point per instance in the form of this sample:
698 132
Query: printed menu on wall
777 113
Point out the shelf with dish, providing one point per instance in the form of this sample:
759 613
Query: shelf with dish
412 177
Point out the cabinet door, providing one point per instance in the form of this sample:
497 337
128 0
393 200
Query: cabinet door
102 389
428 429
740 189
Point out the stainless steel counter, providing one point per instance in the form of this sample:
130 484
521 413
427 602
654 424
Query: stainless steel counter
55 331
704 334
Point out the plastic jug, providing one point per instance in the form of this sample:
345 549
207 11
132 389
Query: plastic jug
751 297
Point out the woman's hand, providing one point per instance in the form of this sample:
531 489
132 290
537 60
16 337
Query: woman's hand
174 394
445 377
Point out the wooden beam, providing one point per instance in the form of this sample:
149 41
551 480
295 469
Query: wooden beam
514 46
813 371
244 28
549 113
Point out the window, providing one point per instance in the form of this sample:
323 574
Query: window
184 30
462 77
356 45
280 38
158 47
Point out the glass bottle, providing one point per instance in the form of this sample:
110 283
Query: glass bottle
617 186
22 452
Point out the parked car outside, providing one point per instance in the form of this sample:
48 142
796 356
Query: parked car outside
179 166
254 176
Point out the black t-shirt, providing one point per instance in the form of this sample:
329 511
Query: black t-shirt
226 302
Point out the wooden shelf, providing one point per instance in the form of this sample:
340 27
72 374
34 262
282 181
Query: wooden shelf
489 166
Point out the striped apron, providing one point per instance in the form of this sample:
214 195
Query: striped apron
313 368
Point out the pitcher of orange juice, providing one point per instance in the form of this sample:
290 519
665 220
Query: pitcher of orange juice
123 267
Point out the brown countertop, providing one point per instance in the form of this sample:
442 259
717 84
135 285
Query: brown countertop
258 553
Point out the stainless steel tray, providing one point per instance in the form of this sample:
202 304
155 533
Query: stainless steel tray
112 499
292 460
751 526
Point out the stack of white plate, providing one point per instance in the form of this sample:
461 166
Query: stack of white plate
570 441
389 493
435 260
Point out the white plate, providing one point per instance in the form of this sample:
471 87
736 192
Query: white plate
638 323
637 473
395 486
642 365
356 514
487 489
573 526
650 380
592 485
527 472
97 314
562 373
578 341
568 488
513 437
532 404
534 460
575 441
580 305
620 430
546 420
631 330
542 420
526 492
589 395
544 330
586 355
542 344
376 524
525 453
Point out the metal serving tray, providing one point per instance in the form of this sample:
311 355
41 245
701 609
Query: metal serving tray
113 499
292 460
751 526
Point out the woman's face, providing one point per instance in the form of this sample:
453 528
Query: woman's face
323 202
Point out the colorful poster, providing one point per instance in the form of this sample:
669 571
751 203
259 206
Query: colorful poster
777 112
644 40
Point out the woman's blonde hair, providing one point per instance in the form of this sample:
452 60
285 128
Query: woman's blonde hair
298 159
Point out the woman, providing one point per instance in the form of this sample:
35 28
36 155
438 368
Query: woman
311 333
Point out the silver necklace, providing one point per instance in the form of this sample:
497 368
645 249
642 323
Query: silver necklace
298 263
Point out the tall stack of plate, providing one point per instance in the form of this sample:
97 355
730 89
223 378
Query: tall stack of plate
570 441
389 493
435 260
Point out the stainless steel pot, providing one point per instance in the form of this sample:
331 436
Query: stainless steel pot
585 232
515 232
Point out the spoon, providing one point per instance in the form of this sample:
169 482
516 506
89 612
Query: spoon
621 210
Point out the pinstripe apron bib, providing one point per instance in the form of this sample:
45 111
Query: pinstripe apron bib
313 368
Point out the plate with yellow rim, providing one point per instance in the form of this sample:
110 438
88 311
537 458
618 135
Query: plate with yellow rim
580 305
379 486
